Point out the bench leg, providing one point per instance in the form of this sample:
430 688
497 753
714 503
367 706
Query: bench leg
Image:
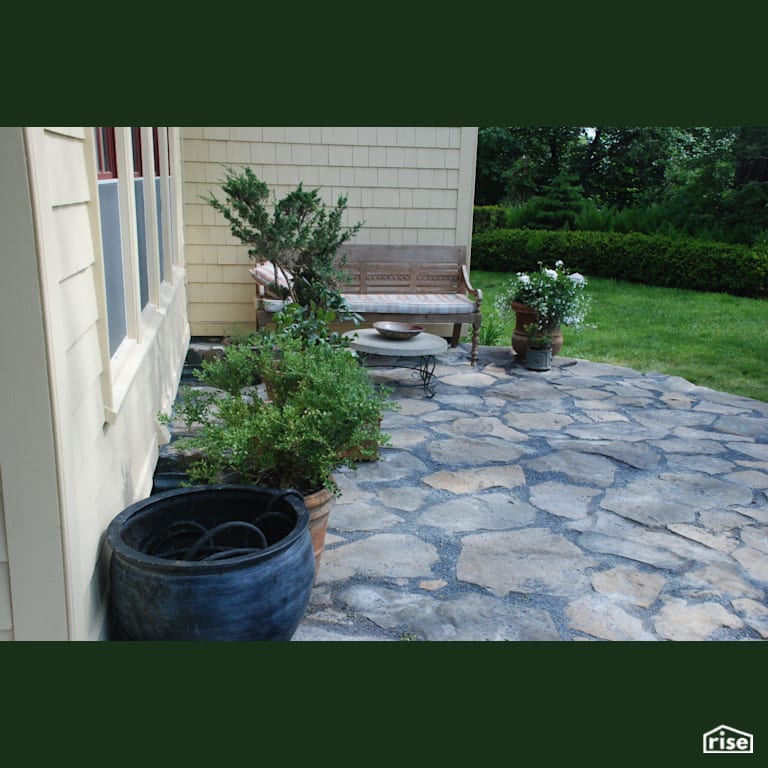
475 341
456 337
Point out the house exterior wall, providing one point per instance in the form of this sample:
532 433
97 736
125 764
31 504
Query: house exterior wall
409 185
32 598
91 429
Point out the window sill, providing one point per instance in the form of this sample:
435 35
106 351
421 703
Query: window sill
131 355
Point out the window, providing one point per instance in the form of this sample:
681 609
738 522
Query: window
141 224
134 261
111 241
106 162
148 244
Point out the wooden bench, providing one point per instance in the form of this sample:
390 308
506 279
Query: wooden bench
418 284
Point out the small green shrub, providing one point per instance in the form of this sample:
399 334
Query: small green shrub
491 329
298 234
324 412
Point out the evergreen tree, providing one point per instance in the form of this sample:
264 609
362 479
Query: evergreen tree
557 206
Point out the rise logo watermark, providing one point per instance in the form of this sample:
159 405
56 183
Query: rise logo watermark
725 740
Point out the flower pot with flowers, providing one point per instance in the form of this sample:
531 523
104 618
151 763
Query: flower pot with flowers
547 299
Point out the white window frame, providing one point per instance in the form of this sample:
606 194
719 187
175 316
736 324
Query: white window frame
120 368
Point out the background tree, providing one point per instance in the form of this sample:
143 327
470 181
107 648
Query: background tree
557 206
515 164
710 183
698 180
746 202
495 156
623 167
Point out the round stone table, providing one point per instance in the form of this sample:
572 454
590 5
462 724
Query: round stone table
422 349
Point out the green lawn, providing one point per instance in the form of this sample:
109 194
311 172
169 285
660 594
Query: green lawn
711 339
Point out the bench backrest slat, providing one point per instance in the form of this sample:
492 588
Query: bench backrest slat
403 268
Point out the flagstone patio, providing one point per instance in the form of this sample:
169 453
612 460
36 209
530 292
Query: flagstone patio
588 502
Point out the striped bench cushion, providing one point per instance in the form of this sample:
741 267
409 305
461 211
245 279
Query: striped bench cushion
410 303
392 303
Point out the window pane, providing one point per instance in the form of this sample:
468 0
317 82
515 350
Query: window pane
160 225
113 263
136 142
141 237
106 161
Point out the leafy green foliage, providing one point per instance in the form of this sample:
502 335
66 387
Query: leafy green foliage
652 260
558 296
324 412
514 164
627 166
489 217
557 206
298 234
312 322
707 183
491 329
539 335
234 370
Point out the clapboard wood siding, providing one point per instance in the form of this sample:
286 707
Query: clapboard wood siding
80 439
410 186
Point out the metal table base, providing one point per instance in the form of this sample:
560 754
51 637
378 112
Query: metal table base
421 349
425 367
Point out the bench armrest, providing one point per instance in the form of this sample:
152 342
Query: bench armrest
467 285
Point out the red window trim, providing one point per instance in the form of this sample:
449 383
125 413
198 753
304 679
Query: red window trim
156 145
138 161
106 156
169 148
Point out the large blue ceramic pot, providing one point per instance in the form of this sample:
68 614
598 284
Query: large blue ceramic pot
223 562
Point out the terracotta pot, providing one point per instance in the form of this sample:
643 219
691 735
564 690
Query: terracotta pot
319 505
525 315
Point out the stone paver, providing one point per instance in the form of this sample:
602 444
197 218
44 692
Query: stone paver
588 502
528 561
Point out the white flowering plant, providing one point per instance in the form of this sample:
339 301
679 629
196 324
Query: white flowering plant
558 295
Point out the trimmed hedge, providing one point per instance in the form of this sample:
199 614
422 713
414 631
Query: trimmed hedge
649 259
487 217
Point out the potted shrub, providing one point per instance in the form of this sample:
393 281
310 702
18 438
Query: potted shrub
297 234
548 299
538 356
323 412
